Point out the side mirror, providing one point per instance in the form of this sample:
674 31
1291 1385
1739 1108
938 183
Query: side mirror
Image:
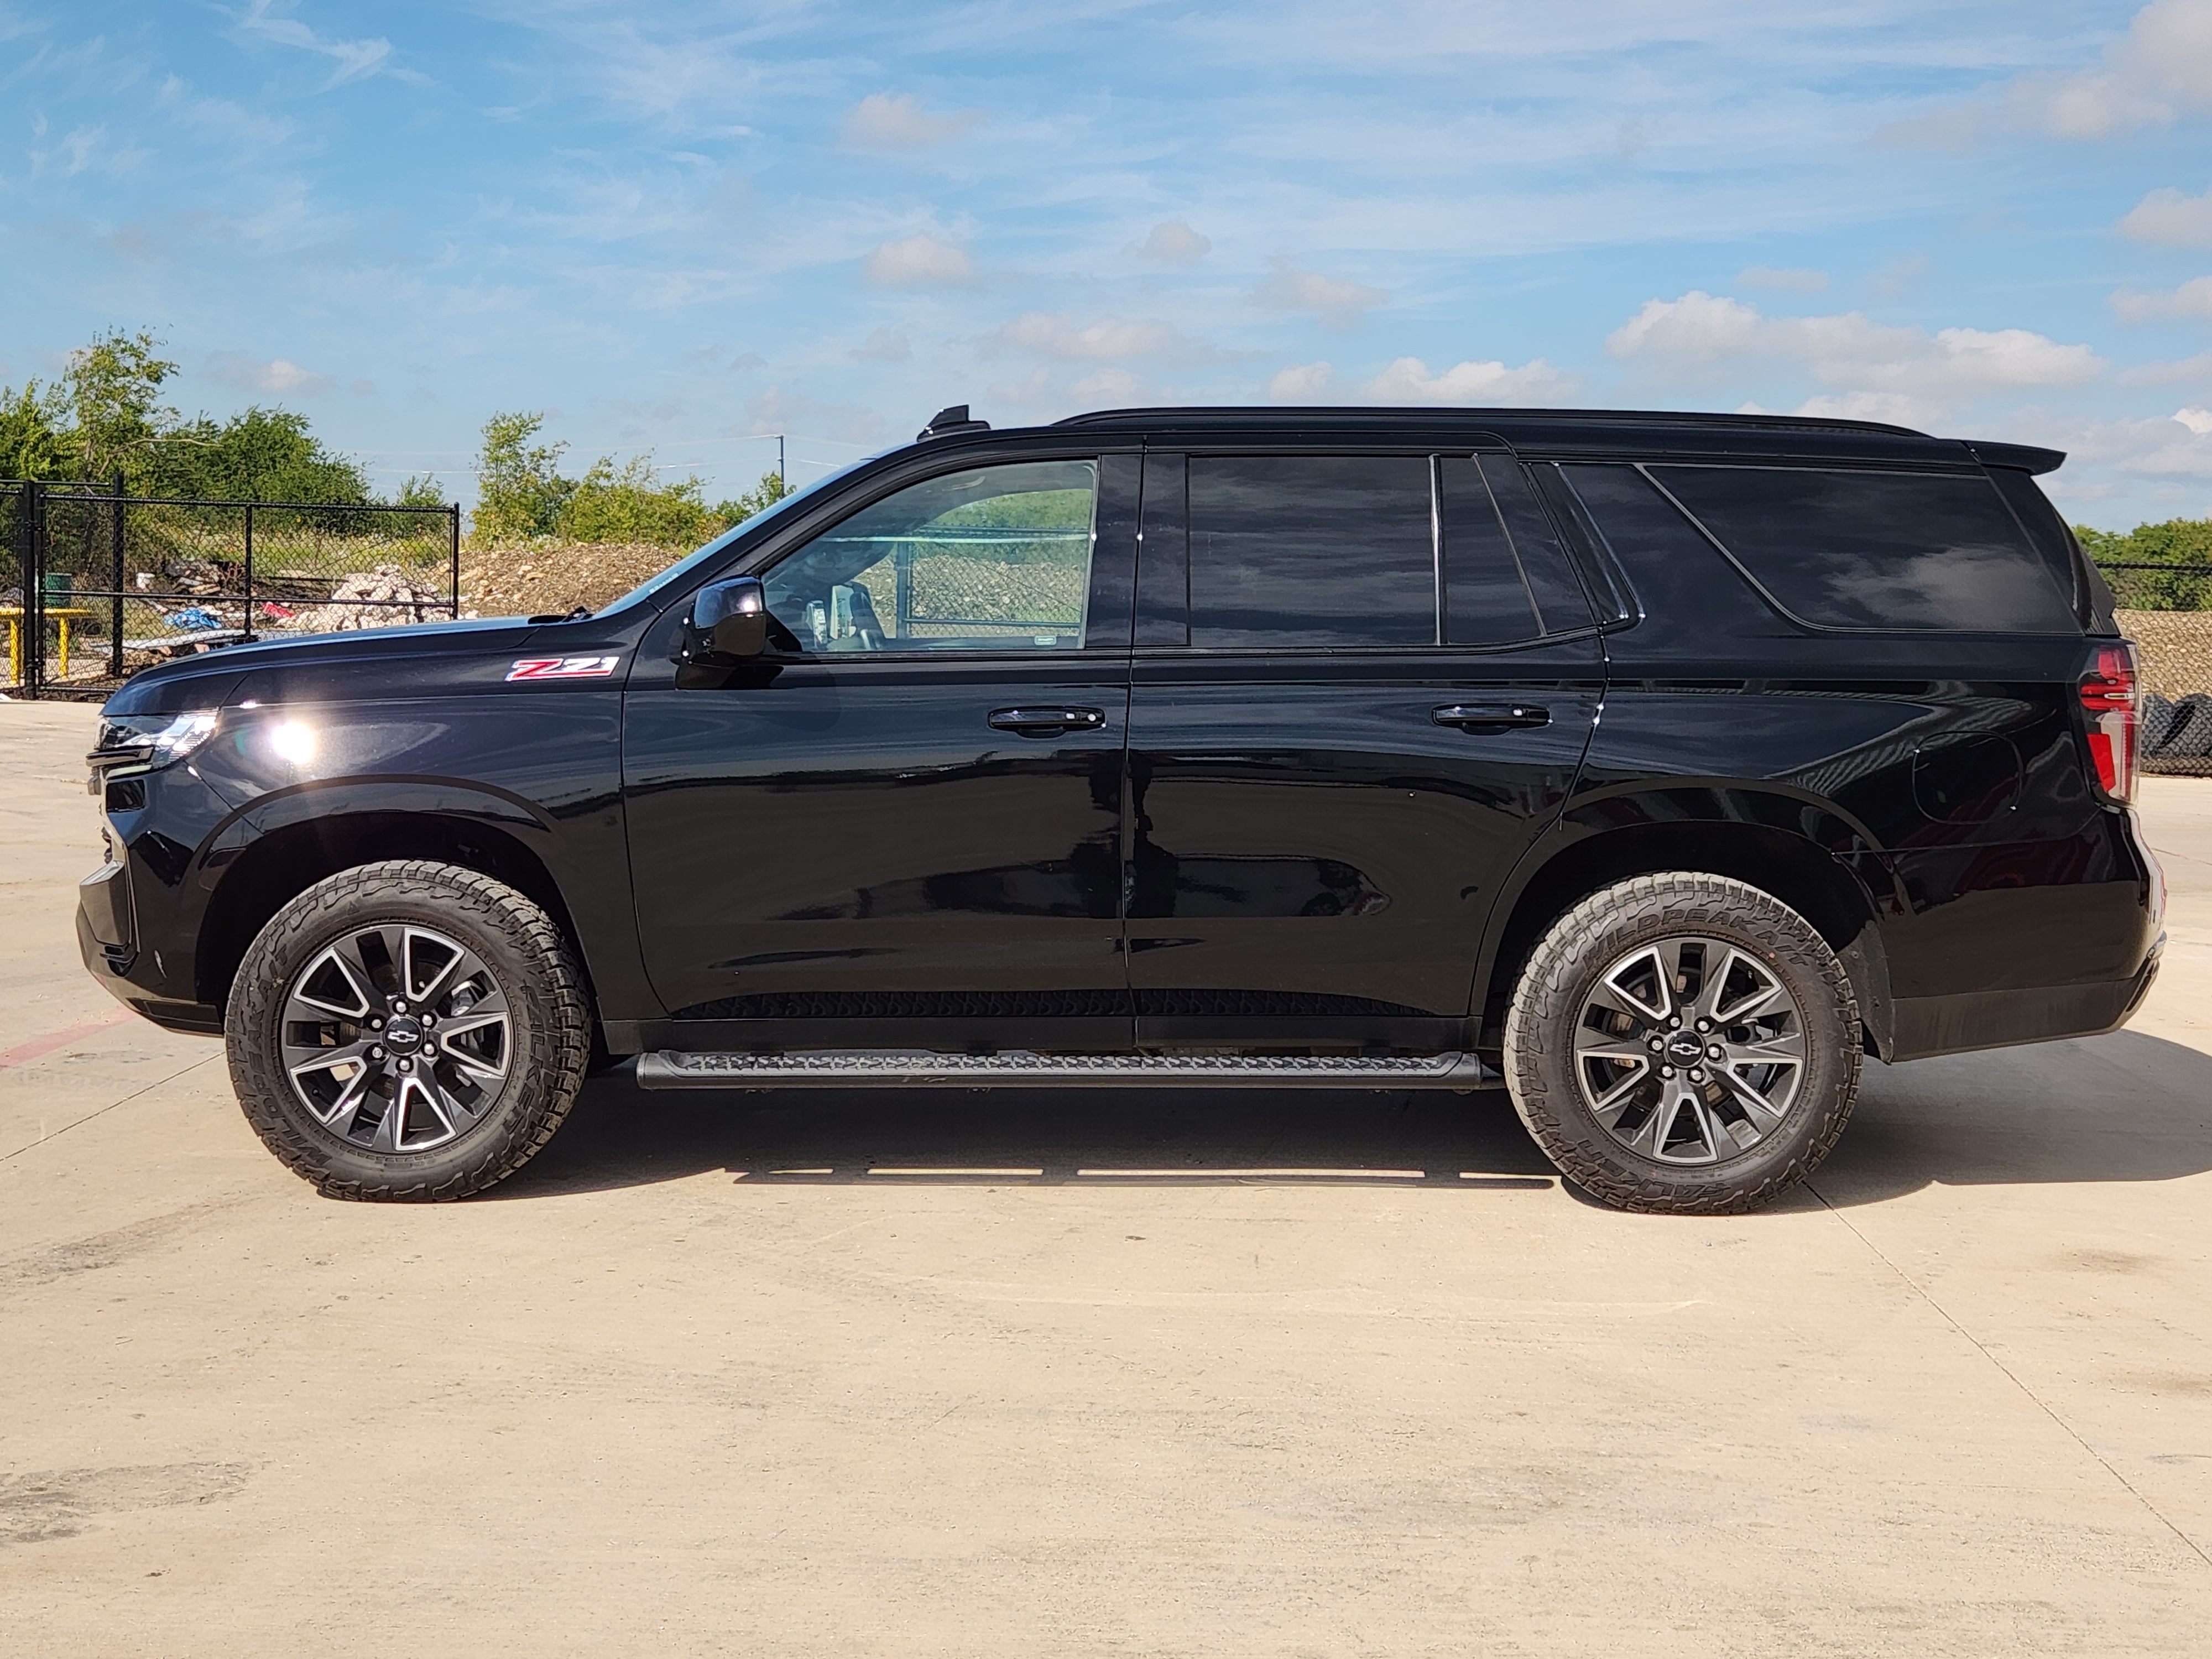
730 617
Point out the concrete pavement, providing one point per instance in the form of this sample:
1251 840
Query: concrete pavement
983 1374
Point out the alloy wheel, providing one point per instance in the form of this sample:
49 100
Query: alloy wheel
397 1038
1689 1050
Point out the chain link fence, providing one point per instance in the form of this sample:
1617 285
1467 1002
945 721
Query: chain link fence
96 584
2167 610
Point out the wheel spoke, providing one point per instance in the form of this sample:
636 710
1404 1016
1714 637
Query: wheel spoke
341 956
1764 1112
1643 965
444 956
1752 1003
1620 1090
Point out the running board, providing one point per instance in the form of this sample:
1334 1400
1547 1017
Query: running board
862 1069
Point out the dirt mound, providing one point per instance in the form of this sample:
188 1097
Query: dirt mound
531 579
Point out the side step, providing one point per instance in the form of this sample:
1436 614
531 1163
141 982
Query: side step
868 1070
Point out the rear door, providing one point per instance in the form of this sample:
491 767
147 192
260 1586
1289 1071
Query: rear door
1362 685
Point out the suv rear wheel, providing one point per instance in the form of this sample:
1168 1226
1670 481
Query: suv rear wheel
1683 1043
407 1031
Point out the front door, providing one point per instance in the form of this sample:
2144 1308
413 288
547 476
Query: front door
904 822
1363 684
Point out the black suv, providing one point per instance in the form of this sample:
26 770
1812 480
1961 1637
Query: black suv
1657 766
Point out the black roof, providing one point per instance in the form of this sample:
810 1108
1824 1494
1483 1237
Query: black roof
1592 430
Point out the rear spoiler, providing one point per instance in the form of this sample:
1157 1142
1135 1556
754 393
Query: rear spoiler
2026 457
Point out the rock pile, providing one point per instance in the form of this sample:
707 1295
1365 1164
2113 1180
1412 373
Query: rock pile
382 597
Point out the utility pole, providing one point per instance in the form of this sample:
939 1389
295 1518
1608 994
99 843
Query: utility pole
782 483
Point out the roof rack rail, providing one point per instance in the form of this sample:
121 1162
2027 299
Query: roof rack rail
1354 414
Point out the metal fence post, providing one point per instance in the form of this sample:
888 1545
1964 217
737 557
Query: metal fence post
115 587
249 573
454 513
34 591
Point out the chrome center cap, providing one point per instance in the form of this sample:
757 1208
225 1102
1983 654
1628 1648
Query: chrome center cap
1684 1048
403 1034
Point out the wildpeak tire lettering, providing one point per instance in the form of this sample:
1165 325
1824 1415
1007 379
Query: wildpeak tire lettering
563 668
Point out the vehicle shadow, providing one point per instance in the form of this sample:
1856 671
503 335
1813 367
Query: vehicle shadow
2127 1106
619 1135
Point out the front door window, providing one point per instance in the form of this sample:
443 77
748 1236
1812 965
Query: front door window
994 558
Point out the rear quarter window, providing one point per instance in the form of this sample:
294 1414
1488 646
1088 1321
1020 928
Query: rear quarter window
1838 548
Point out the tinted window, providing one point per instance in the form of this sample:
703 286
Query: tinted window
1310 551
1486 599
1877 550
2046 531
1558 597
1688 590
994 558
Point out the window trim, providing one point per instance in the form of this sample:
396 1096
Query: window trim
1784 611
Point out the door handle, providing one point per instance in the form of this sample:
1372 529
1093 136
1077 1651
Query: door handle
1045 722
1490 716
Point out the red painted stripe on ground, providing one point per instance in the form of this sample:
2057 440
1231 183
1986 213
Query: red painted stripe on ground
22 1053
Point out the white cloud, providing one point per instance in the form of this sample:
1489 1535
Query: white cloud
1174 242
1408 381
885 120
2198 421
1056 335
1337 301
884 345
1788 280
2171 219
355 60
2158 71
919 261
1300 382
279 376
2192 298
1111 385
1849 350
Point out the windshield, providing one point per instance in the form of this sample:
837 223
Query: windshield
653 585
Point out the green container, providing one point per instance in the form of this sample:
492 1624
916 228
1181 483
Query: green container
57 584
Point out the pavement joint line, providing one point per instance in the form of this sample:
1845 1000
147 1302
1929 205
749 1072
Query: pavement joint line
8 1157
2011 1376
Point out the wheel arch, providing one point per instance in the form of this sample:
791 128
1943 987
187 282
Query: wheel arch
276 867
1580 859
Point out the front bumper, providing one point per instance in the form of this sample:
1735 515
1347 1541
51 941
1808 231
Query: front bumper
198 1019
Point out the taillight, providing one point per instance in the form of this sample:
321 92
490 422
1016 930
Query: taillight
2108 697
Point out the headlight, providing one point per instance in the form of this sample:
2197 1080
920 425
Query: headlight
143 742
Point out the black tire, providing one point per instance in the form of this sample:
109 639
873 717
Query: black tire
544 1041
1550 1081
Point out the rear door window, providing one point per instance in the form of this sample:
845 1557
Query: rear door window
1299 552
1866 549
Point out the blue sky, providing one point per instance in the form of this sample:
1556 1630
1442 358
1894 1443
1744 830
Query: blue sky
677 225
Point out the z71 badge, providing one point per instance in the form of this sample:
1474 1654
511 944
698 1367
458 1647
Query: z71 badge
563 668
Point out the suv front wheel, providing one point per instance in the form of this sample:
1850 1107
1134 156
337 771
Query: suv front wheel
1685 1043
407 1031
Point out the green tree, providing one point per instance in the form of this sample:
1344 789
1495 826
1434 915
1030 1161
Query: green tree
2176 542
630 504
112 390
520 489
425 491
30 444
763 495
257 455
